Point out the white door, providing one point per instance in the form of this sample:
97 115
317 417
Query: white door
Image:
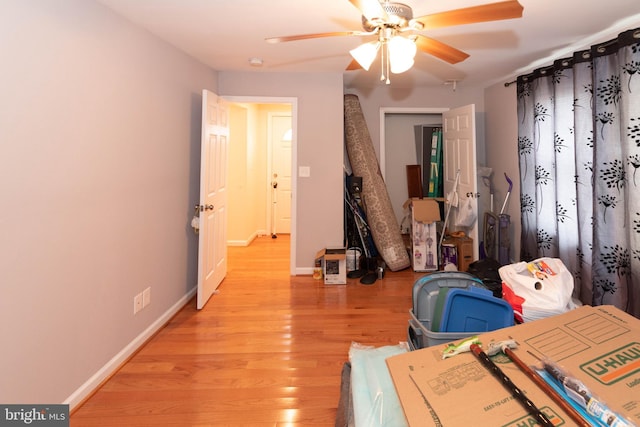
459 152
280 179
212 242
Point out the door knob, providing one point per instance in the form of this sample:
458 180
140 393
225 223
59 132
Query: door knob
202 208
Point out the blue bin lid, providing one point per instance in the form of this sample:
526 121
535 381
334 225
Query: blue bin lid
475 310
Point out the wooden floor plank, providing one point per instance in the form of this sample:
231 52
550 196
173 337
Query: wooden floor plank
267 350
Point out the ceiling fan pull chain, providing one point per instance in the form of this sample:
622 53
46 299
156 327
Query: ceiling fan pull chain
386 45
382 62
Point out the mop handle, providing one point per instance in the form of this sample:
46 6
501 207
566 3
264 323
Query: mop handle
446 217
506 199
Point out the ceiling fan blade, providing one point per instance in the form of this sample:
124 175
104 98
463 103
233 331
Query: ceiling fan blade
354 65
469 15
371 9
440 50
316 36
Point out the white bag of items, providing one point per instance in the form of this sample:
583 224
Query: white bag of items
537 289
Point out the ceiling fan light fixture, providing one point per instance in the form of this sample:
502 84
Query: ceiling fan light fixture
388 19
402 52
400 66
365 54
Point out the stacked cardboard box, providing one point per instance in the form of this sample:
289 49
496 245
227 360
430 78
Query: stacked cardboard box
598 345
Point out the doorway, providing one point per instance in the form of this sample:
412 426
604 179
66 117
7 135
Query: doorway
460 150
398 149
254 124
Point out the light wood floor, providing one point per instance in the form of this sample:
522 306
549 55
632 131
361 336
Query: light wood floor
266 351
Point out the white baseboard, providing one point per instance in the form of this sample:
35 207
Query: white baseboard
112 365
239 243
243 243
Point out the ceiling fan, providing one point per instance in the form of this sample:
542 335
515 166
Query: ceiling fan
397 32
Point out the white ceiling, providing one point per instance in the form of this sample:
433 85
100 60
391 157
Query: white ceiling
224 34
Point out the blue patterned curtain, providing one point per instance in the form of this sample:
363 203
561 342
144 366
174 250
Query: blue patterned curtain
579 152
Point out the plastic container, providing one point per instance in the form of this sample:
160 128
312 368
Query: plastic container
425 296
427 288
420 336
475 310
353 259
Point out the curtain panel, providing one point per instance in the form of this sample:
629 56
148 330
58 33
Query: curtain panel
579 153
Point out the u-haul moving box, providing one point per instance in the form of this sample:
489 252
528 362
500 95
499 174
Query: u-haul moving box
598 345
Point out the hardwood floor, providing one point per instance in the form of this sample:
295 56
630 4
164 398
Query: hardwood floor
267 350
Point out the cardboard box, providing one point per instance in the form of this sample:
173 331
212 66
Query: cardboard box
334 265
464 251
598 345
425 213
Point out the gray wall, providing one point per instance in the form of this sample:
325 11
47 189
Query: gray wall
502 154
99 167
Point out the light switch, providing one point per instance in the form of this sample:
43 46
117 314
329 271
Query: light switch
304 171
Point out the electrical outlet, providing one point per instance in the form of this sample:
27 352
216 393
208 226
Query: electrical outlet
146 297
137 303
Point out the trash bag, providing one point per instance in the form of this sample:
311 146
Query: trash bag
487 270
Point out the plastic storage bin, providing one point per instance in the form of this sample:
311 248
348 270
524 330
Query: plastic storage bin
475 309
425 295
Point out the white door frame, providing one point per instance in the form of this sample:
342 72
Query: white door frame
399 110
294 159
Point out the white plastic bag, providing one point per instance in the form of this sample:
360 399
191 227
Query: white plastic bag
537 289
466 214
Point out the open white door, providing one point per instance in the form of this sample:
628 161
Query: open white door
212 242
459 153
